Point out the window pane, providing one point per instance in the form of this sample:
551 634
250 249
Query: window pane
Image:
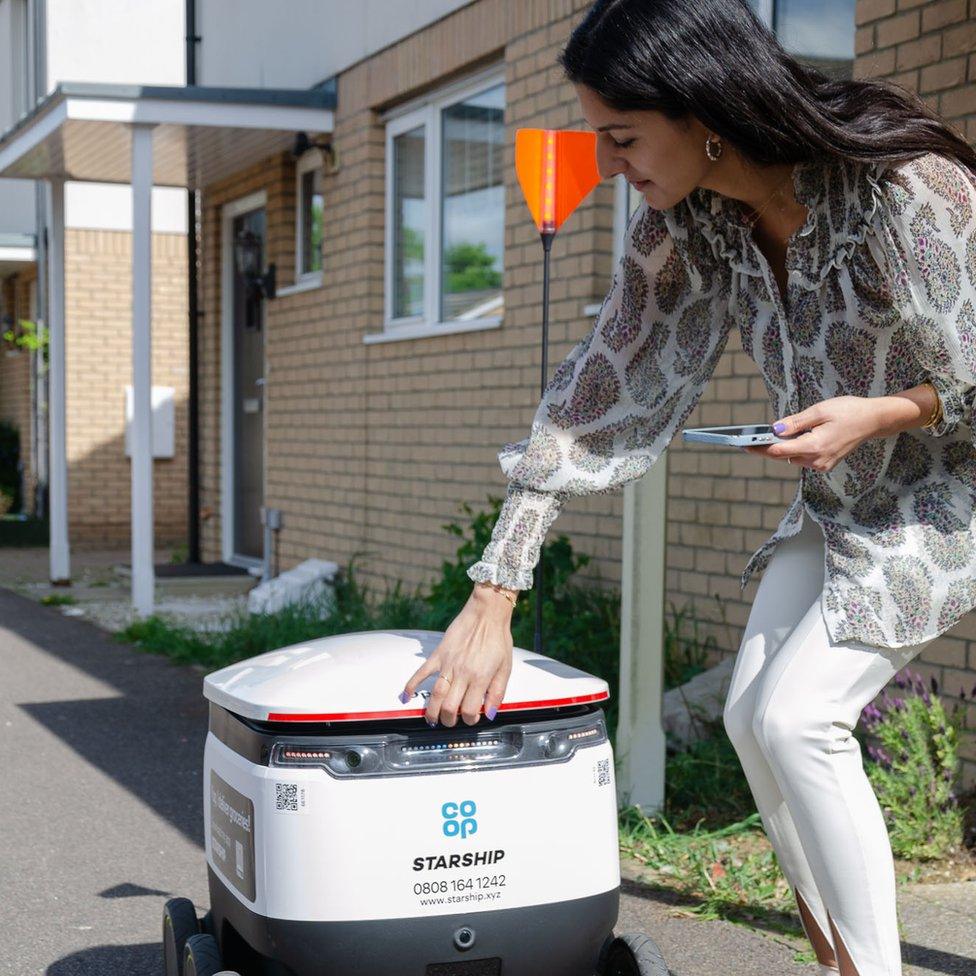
473 206
818 31
409 222
311 221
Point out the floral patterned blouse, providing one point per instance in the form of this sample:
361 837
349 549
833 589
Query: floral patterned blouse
881 294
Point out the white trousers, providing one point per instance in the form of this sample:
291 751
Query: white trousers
794 699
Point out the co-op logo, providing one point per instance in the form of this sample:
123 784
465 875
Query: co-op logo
459 818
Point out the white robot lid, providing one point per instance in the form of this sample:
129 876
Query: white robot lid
358 677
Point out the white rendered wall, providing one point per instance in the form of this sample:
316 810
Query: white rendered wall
119 42
245 43
251 42
108 206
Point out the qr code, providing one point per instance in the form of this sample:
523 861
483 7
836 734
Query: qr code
603 772
286 797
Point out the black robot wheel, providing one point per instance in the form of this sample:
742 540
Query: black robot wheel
633 954
179 923
201 956
601 961
206 923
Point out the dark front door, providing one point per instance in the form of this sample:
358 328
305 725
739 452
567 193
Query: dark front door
248 400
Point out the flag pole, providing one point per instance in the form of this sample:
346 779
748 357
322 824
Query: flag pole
547 238
556 170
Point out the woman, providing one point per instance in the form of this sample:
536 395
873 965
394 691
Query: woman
835 223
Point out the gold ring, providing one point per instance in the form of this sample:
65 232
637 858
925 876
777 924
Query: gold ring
445 677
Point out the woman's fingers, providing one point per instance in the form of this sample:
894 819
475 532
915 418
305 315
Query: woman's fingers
796 458
449 700
472 664
496 689
429 666
474 698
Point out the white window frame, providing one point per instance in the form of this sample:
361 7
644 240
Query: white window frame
764 10
426 112
309 160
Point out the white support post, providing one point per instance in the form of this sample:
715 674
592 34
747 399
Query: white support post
60 553
143 581
640 746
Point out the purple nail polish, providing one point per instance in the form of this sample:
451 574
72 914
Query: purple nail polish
779 427
491 713
404 697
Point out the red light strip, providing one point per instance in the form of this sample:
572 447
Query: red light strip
418 712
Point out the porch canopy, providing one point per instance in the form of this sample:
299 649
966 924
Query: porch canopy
145 136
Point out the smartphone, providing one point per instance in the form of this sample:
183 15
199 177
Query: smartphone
742 435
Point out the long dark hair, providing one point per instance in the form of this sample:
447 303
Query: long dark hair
716 60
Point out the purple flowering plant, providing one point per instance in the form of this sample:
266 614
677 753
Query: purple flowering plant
913 766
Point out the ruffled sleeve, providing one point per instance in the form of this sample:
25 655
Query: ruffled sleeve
615 402
928 238
957 398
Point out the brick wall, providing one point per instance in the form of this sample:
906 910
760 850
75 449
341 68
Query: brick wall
359 456
98 341
930 48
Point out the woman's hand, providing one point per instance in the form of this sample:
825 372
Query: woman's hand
826 432
476 655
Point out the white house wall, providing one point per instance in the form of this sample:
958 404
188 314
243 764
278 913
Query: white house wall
123 41
117 41
108 206
244 42
253 42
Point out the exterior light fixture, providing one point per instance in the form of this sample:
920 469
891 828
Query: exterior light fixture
302 145
247 257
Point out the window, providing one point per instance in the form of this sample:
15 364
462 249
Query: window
817 32
308 218
446 209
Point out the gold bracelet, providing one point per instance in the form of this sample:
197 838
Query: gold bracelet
936 414
494 586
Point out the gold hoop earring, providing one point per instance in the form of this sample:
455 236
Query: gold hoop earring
712 153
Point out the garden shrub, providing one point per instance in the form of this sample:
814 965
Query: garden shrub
915 769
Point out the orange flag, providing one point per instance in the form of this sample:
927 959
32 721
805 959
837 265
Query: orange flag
557 169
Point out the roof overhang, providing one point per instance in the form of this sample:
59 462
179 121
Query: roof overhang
201 134
18 252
